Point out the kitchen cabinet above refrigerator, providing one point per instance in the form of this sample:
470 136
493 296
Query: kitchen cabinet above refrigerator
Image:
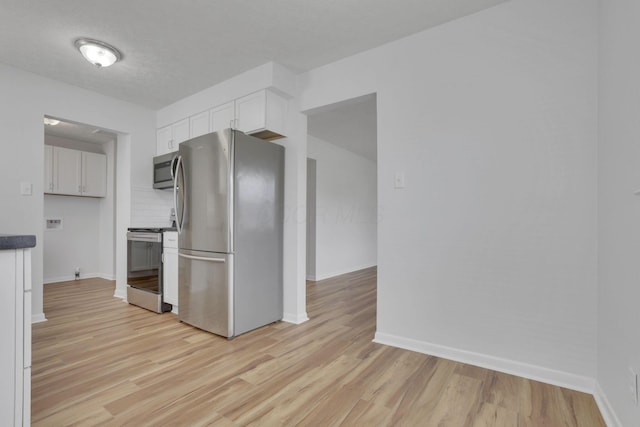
261 114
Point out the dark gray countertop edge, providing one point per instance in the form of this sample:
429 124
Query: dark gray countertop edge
10 241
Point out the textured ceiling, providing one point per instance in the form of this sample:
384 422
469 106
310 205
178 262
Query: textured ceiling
173 48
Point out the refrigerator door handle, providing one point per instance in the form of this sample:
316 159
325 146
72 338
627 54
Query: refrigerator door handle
179 217
201 258
173 166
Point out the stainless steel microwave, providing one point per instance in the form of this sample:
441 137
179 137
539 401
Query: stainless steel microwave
163 167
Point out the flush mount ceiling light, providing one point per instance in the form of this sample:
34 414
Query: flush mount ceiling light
98 53
51 122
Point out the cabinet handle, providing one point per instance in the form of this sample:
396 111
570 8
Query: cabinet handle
79 188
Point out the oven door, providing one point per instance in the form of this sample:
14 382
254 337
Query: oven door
144 261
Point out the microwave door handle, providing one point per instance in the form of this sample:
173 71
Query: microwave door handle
179 218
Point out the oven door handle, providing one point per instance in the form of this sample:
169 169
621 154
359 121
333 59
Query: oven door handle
202 258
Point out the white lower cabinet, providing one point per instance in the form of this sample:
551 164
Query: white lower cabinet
15 334
170 267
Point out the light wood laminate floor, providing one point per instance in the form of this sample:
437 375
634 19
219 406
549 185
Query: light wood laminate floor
99 361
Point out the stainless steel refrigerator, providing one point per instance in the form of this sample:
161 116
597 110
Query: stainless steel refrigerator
229 201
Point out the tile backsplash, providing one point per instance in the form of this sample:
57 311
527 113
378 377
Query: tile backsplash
150 208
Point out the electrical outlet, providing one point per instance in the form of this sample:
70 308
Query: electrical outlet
77 273
632 384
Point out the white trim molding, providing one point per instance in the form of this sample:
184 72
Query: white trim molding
532 372
121 293
38 318
83 276
296 319
609 415
318 277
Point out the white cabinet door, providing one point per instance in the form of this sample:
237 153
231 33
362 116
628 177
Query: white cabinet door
180 133
168 137
251 112
262 114
170 280
67 171
199 124
94 174
164 139
221 117
48 169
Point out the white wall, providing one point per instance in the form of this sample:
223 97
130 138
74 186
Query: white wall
77 244
26 99
346 213
619 208
489 255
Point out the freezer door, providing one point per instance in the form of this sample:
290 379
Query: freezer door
204 198
205 289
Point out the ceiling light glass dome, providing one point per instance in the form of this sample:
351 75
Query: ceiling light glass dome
98 53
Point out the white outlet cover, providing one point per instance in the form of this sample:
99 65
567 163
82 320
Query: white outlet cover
399 180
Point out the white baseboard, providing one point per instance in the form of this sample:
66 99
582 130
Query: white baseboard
609 415
323 276
38 318
533 372
121 293
82 276
296 319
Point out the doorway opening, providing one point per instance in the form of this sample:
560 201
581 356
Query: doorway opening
79 237
342 208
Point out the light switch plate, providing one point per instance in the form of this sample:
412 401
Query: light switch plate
25 188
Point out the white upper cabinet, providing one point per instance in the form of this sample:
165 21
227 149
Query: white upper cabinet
164 140
94 175
67 171
75 173
199 124
222 117
180 132
262 114
168 137
48 169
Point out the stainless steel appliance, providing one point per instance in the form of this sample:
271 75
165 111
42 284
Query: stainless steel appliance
163 168
228 196
144 269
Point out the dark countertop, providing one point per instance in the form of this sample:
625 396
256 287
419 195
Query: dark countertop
11 241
